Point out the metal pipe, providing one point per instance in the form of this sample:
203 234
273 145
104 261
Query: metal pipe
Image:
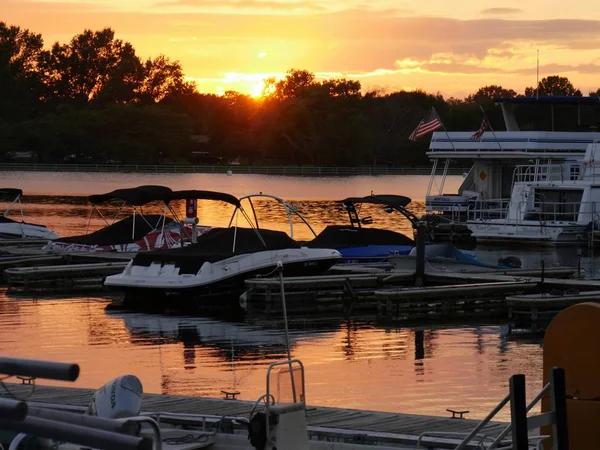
39 369
13 409
76 434
533 402
99 423
285 325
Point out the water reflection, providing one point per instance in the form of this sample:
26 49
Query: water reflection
353 364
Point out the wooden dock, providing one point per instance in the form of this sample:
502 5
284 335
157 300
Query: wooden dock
403 426
535 311
464 300
339 295
63 278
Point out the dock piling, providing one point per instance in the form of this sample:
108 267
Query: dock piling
420 260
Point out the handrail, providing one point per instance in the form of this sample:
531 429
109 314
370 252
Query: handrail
268 394
529 407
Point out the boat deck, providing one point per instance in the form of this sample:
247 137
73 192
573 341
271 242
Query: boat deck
318 417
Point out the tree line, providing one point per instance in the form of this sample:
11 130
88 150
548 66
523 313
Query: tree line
95 100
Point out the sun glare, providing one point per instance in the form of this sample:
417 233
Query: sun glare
262 54
257 89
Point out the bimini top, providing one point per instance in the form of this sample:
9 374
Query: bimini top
10 192
551 99
205 195
135 196
388 200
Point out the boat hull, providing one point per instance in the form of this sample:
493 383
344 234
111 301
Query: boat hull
17 230
372 253
532 233
438 265
215 294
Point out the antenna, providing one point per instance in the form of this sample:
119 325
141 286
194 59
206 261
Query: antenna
537 82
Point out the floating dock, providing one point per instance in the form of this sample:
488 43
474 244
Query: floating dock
466 300
340 422
340 295
63 278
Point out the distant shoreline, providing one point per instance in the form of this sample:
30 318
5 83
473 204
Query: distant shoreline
223 169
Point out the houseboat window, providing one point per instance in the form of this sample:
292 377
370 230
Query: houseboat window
574 172
556 205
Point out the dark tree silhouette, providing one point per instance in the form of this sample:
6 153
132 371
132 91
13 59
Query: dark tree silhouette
553 85
487 94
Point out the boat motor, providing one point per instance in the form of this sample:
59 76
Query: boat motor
120 398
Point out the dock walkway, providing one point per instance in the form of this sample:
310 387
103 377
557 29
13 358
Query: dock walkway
318 417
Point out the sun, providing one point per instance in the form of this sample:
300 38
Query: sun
256 89
261 55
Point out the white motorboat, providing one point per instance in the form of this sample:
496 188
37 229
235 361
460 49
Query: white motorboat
524 186
216 267
19 229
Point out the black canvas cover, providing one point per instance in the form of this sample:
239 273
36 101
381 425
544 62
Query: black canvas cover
9 193
215 245
135 196
388 200
343 236
205 195
119 232
8 220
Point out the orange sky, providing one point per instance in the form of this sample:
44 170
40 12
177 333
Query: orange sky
451 47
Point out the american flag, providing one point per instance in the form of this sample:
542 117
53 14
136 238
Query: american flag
428 124
484 126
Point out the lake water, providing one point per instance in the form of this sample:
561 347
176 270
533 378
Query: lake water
357 365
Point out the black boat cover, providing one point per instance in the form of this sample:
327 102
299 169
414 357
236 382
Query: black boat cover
205 195
9 220
215 245
343 236
388 200
119 232
135 196
10 193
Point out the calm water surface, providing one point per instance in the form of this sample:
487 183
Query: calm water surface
418 370
359 365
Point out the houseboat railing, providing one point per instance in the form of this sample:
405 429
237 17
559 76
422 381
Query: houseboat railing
489 209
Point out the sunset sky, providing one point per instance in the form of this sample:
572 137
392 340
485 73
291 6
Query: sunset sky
452 47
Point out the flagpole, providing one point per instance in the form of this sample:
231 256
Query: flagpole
490 125
447 162
444 128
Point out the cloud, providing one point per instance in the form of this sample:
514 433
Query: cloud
244 5
363 43
501 11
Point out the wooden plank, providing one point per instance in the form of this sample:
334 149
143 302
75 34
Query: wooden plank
444 292
338 418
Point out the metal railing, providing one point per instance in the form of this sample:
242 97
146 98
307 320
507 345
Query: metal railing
538 173
574 212
489 209
235 169
521 424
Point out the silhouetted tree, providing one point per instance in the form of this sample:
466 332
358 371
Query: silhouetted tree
93 67
487 94
553 85
161 79
21 86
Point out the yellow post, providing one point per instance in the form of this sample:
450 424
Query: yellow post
572 341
